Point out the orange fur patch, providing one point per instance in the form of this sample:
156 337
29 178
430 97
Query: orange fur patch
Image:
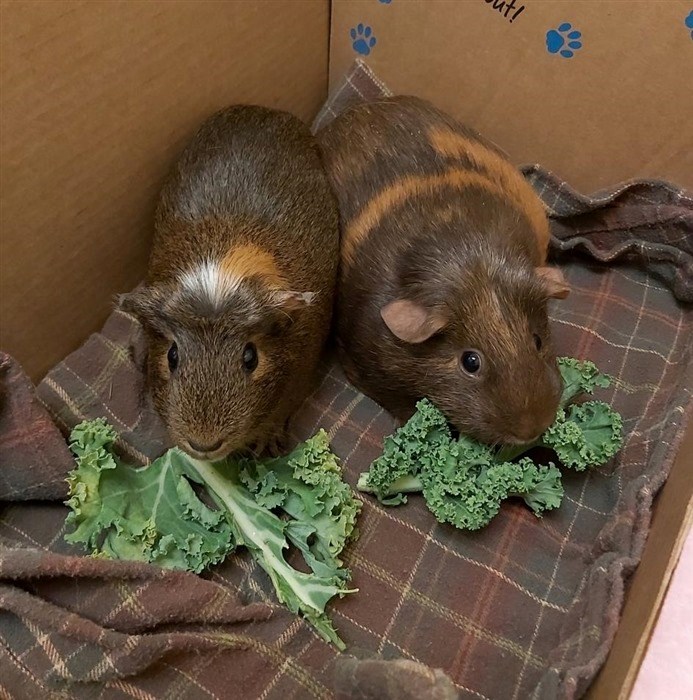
397 193
451 144
251 261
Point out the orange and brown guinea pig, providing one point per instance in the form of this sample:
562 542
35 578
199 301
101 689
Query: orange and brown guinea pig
239 293
444 285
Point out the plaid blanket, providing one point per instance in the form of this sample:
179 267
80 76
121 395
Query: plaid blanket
524 608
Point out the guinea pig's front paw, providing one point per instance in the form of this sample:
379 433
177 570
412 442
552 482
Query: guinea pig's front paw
276 445
273 446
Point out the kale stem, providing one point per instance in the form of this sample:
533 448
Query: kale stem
507 453
404 484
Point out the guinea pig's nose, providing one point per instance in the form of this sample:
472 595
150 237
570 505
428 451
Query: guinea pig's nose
198 447
525 432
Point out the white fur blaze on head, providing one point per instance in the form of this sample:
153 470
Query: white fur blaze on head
210 282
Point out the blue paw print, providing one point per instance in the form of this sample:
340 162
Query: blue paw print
385 2
563 40
689 22
362 39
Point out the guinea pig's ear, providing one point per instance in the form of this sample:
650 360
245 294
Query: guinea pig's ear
292 301
554 282
284 305
410 321
145 303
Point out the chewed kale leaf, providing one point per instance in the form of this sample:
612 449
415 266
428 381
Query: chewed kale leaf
151 514
307 485
464 482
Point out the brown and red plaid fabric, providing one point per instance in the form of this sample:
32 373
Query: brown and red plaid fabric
524 608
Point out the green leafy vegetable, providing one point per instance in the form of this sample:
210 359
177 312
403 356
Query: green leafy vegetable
308 486
149 514
474 497
464 482
461 480
580 377
153 514
584 435
423 439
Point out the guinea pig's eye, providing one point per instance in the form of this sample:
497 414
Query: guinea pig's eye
537 341
250 357
172 357
471 361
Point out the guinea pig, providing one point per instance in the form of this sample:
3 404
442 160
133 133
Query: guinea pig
443 285
238 298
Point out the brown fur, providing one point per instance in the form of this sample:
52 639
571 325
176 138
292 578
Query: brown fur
449 144
386 201
249 202
437 217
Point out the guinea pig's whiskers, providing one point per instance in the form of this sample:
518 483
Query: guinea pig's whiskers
496 445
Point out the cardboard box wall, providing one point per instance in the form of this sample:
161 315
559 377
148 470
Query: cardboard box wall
620 107
97 98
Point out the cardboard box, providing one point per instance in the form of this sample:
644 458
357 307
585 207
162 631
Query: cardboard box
615 109
98 97
672 521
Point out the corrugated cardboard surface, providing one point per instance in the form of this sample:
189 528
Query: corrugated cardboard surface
620 107
96 100
671 521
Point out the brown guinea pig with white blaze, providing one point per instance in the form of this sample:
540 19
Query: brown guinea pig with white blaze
444 284
238 298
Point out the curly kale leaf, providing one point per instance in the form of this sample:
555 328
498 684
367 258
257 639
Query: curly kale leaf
580 377
421 440
585 435
471 497
461 481
308 486
153 514
465 482
267 536
149 514
542 486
